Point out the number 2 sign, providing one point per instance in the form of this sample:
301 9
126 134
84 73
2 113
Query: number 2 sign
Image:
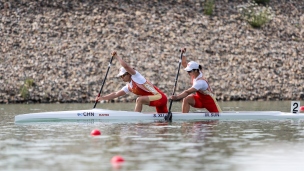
295 106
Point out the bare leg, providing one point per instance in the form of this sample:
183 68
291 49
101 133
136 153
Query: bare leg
140 101
187 102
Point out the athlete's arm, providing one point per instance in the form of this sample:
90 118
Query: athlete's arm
184 58
198 85
184 94
112 95
129 69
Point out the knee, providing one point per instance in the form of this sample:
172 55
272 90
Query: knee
187 99
139 100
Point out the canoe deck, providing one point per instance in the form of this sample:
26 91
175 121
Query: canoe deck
103 114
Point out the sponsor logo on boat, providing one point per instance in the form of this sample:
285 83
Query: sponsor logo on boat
104 115
212 115
86 114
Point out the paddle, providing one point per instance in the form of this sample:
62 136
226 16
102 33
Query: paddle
104 80
169 115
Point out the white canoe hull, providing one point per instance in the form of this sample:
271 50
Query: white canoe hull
110 115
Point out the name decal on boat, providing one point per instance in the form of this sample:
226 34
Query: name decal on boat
159 115
86 114
206 115
212 115
104 115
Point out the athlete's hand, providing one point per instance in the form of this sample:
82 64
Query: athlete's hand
99 98
174 97
114 54
183 50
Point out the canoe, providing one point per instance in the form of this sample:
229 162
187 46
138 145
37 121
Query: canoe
111 115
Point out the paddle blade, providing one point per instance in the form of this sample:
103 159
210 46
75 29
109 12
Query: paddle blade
168 117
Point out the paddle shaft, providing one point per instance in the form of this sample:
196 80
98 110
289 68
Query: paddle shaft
169 116
104 80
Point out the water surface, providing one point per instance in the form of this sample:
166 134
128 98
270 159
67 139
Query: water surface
270 145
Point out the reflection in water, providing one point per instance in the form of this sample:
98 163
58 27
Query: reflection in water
197 131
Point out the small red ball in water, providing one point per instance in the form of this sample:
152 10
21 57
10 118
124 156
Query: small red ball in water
302 109
95 132
117 159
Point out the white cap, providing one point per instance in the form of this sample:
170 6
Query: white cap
122 71
191 66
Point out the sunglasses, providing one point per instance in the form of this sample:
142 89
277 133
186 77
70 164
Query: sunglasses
189 71
124 75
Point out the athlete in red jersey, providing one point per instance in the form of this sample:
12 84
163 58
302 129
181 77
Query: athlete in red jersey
137 84
203 97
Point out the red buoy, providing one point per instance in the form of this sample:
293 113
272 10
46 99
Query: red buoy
302 109
117 159
95 132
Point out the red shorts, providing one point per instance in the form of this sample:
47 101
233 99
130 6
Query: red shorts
161 104
206 101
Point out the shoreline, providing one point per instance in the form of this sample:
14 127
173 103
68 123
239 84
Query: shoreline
59 52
